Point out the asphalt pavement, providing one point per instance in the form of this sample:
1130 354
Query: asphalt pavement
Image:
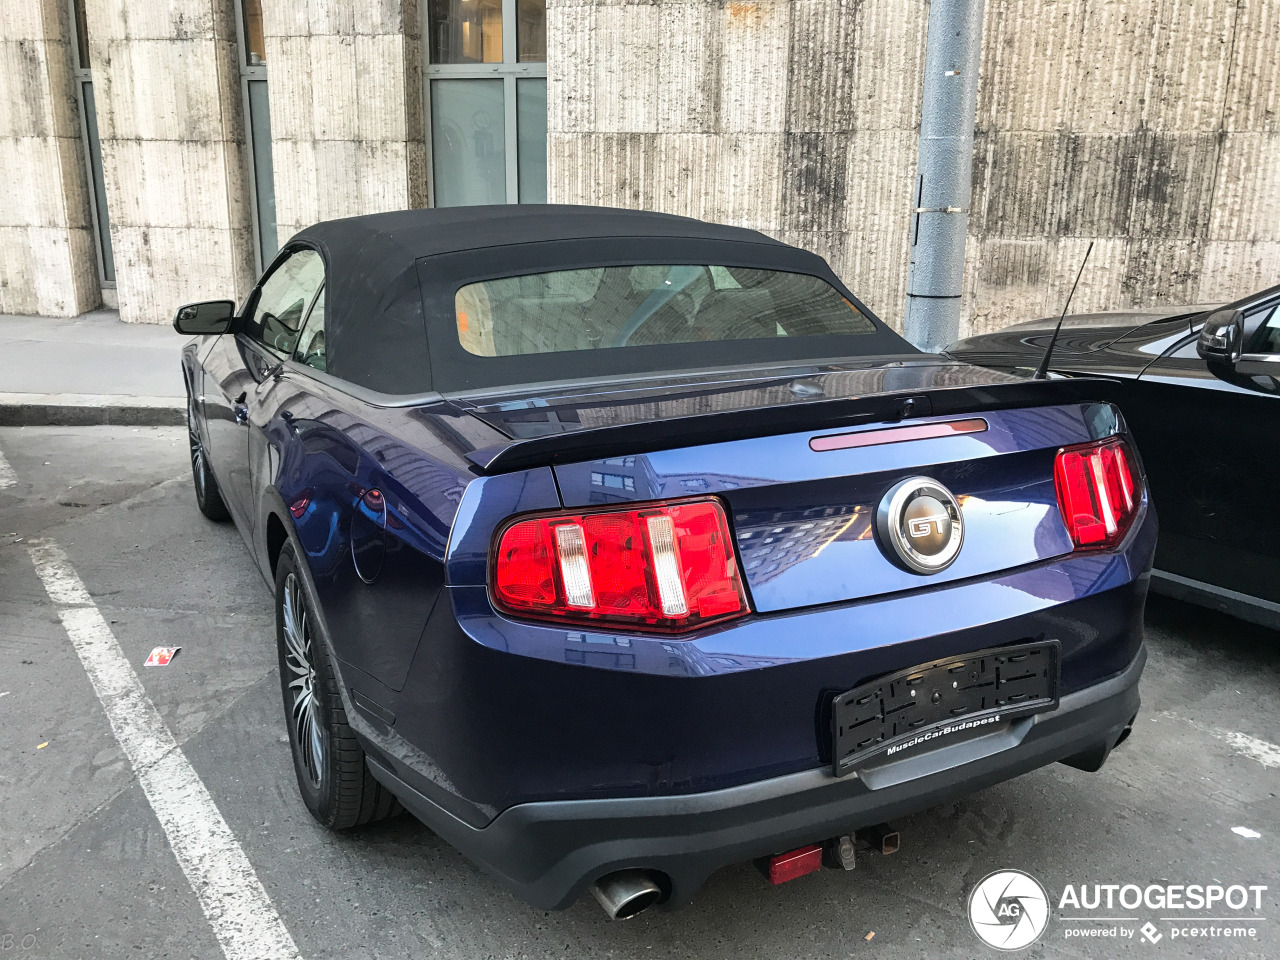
88 870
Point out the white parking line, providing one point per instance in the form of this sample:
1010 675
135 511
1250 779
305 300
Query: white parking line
7 477
1267 754
243 918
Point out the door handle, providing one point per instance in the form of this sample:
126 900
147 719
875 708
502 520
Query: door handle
241 409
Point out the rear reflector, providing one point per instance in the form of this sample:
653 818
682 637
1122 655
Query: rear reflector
788 866
666 566
1098 491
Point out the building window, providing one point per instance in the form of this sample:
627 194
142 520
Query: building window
487 97
92 146
257 111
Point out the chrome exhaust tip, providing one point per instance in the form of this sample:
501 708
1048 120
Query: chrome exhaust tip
626 893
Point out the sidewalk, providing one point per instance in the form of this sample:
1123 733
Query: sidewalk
91 369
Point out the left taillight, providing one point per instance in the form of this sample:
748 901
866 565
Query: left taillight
1099 491
667 567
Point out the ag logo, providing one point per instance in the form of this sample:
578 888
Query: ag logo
1008 910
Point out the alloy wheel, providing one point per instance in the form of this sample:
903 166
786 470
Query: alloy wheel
304 714
197 449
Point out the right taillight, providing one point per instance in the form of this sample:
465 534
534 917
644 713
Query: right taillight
1098 491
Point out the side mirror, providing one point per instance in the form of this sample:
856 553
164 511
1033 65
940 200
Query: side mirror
206 317
1221 337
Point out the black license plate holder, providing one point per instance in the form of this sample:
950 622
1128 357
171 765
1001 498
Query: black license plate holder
938 702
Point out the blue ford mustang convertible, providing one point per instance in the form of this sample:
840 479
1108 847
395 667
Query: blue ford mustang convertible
619 547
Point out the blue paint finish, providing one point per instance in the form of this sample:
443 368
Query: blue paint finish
881 629
491 712
313 447
496 713
487 503
804 520
825 549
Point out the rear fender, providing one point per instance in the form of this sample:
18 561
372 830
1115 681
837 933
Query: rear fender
486 503
273 508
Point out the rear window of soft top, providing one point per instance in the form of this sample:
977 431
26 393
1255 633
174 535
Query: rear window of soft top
647 305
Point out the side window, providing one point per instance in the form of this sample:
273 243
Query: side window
283 301
1266 339
310 350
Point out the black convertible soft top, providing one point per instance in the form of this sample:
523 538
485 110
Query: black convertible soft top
407 235
380 296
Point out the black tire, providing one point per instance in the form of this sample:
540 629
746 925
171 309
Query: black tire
333 778
208 497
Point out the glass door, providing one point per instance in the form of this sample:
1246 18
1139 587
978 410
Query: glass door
257 110
487 101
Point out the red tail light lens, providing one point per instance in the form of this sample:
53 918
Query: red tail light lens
667 567
1098 491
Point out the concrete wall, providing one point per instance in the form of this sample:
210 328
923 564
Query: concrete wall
1151 128
752 113
48 264
1148 126
345 83
170 118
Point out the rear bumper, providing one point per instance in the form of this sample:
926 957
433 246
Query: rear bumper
548 852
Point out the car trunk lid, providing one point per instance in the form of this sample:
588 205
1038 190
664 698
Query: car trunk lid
802 475
804 519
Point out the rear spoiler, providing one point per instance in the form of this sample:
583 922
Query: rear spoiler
646 436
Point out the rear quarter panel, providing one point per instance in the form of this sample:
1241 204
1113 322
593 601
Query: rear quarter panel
323 451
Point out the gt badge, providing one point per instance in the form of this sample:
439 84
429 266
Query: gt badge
920 525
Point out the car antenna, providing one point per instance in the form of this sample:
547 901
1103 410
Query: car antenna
1042 371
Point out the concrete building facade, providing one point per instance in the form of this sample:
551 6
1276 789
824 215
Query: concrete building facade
156 153
47 258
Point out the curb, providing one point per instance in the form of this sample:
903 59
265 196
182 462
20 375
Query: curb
89 410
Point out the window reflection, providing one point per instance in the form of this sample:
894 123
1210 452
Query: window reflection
467 31
768 551
255 46
1267 339
82 34
531 31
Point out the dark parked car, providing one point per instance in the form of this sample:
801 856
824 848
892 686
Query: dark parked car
1199 388
619 547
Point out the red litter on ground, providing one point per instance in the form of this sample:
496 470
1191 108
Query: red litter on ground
161 656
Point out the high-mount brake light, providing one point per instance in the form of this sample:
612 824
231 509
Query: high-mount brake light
667 567
1098 491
